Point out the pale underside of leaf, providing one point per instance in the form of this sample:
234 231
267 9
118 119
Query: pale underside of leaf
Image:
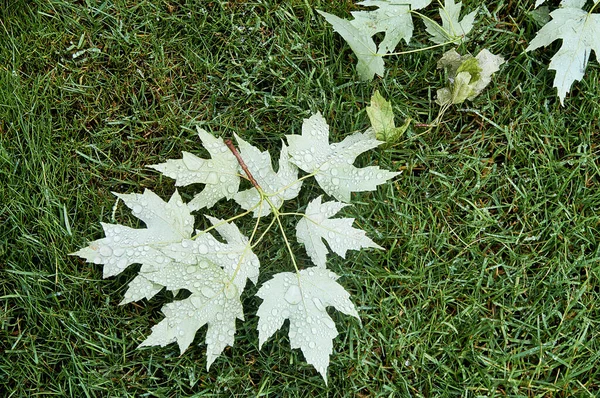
213 301
302 298
333 163
279 187
219 174
123 246
235 257
580 34
392 17
339 233
452 29
363 46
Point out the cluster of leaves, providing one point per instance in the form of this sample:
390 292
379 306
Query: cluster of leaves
174 256
579 30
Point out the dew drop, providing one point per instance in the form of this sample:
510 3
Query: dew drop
106 251
318 303
98 260
221 338
274 312
312 344
119 252
219 316
212 178
203 264
334 172
324 167
335 181
207 292
292 334
293 295
196 301
329 323
379 175
191 269
185 244
313 330
202 248
231 189
230 291
137 209
159 259
308 158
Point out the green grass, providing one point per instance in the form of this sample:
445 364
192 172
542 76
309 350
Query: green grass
489 286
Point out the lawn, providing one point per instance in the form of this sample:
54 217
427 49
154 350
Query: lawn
490 282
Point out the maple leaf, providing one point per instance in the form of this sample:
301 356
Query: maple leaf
338 232
381 116
167 223
332 164
452 30
392 17
580 34
278 187
219 174
302 298
214 273
214 300
369 62
235 257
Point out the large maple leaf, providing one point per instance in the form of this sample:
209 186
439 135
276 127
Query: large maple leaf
332 164
392 18
338 232
580 34
302 298
219 174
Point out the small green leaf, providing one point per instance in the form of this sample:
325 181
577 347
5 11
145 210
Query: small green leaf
381 116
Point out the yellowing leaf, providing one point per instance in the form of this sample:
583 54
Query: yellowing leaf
467 75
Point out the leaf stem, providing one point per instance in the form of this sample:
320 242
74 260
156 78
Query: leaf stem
424 48
237 155
276 215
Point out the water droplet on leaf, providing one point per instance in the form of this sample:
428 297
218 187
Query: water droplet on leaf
293 295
